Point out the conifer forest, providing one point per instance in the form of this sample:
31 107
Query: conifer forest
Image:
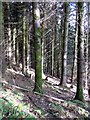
44 60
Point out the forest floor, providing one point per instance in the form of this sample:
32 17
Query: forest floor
17 99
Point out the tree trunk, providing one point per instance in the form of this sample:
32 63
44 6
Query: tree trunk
17 48
86 50
37 47
53 38
74 68
64 52
43 44
89 44
9 38
42 49
27 47
60 43
3 65
24 42
80 53
13 45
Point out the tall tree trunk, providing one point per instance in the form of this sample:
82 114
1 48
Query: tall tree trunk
89 45
2 71
24 42
37 47
13 44
17 47
55 50
61 43
42 49
43 44
9 37
27 47
74 68
86 50
65 41
1 38
53 38
2 44
9 46
80 53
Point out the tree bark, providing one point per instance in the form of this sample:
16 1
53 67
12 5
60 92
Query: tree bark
86 50
1 39
37 47
65 42
24 41
53 38
74 68
2 44
80 53
17 48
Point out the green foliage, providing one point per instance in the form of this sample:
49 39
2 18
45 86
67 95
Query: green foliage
79 94
10 111
70 102
38 32
1 103
79 103
40 112
19 96
30 116
59 107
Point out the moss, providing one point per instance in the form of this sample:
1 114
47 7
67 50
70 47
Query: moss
38 67
38 32
79 94
38 78
37 48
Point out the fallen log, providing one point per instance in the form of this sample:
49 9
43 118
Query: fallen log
50 98
10 86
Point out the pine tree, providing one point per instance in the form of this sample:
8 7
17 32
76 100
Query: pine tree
80 53
65 41
24 41
74 68
37 47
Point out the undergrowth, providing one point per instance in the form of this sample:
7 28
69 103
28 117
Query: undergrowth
9 110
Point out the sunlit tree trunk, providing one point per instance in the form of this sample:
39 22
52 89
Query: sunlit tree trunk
74 68
16 41
27 47
55 50
24 42
13 45
80 53
89 49
9 50
17 48
37 47
89 45
86 50
43 44
9 46
53 38
65 42
42 48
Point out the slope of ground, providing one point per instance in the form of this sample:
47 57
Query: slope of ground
17 99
